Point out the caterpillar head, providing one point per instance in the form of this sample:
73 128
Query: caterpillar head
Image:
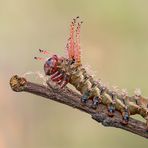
51 65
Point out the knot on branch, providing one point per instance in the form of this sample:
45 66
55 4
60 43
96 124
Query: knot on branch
17 83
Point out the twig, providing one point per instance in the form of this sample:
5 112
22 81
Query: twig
71 98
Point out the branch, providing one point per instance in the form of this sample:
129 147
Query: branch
71 98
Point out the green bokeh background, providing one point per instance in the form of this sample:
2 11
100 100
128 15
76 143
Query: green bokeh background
114 42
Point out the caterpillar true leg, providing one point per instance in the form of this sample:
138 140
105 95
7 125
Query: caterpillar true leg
64 81
54 75
58 77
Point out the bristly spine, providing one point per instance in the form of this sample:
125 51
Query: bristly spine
63 70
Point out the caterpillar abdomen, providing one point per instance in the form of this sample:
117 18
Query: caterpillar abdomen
98 93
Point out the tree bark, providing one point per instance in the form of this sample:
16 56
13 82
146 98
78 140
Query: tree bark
71 98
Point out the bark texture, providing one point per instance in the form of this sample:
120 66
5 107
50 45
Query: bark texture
73 99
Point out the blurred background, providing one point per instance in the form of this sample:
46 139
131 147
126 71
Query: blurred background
114 41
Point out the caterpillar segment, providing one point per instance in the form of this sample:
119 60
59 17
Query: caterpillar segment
70 70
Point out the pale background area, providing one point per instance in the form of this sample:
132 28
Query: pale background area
114 42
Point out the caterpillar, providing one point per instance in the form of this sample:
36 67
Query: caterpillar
64 70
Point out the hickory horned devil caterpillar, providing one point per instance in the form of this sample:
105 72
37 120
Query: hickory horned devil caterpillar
70 70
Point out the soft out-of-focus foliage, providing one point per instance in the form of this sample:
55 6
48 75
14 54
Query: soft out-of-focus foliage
114 43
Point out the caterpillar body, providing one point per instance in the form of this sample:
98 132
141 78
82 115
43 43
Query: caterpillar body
70 70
